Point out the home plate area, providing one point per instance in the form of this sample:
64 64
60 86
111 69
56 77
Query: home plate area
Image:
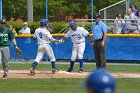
61 74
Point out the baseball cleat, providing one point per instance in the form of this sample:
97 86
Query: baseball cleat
54 71
4 76
70 70
80 70
32 72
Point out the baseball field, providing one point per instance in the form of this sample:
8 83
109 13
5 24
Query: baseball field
20 81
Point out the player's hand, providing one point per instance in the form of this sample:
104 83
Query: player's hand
102 44
57 42
61 41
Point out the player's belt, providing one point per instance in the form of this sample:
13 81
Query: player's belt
80 42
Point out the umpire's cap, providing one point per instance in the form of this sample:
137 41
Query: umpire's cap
101 81
43 22
2 21
97 16
72 23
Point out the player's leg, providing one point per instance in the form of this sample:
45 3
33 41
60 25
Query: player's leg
5 54
81 50
97 54
50 53
102 57
73 58
39 56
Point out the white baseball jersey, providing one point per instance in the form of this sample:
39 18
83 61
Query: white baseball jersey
25 30
78 39
42 35
132 16
77 36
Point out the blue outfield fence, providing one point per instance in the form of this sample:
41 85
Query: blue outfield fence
117 48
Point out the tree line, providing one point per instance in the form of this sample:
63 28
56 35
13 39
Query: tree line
78 8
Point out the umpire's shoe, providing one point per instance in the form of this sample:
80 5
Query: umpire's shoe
32 72
80 70
54 71
70 70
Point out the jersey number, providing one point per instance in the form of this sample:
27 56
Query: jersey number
40 35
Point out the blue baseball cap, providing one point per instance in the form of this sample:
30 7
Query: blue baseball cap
101 81
72 23
43 22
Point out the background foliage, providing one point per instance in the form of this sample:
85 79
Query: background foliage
18 8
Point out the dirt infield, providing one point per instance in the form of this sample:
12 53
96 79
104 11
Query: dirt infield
61 74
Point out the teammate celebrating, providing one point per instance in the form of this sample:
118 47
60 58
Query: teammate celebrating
44 37
6 36
77 35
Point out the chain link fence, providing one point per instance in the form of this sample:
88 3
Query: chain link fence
111 11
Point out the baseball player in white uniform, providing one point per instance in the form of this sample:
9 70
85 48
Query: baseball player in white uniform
77 35
44 37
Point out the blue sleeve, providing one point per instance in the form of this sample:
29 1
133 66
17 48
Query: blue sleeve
104 27
92 28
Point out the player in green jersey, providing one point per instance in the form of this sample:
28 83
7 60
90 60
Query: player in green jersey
6 36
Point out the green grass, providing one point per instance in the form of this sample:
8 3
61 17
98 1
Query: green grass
128 86
87 67
60 86
65 85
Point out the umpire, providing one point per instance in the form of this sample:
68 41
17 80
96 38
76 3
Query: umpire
99 30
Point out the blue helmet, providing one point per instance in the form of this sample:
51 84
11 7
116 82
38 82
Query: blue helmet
101 81
43 22
72 23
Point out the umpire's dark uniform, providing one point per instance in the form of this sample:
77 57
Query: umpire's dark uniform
99 30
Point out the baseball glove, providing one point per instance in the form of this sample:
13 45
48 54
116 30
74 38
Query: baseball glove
19 52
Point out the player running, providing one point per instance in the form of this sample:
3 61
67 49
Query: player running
44 37
77 35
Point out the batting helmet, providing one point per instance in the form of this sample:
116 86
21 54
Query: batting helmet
72 23
43 22
101 81
2 21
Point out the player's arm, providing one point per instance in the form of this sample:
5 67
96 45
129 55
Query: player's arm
104 30
65 37
14 42
91 37
35 36
54 40
51 38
